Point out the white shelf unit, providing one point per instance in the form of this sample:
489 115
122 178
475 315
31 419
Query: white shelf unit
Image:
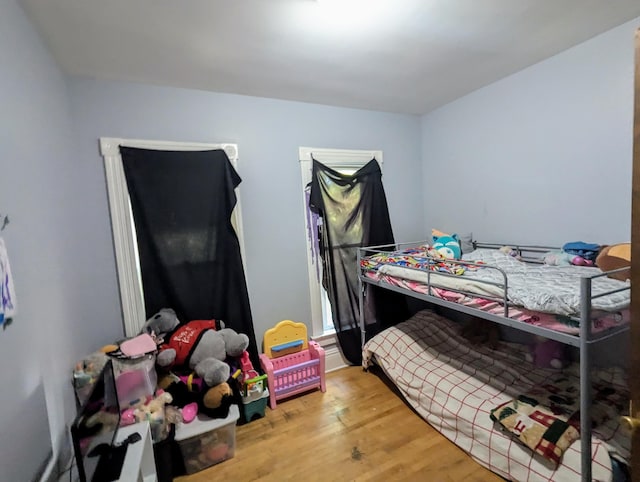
139 463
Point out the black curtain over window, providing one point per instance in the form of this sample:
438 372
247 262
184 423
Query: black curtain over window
354 214
189 252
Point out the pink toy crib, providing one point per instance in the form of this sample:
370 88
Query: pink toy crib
293 365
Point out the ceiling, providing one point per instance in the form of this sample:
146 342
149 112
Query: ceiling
407 56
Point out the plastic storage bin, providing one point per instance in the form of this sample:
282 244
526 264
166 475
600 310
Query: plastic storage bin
207 441
136 378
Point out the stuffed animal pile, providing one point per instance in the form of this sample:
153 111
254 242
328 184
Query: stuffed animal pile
198 350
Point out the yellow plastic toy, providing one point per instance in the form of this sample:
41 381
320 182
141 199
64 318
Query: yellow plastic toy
292 363
285 338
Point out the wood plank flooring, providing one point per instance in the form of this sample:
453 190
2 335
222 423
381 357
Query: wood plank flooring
358 430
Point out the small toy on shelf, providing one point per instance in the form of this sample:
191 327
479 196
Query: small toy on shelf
85 374
151 410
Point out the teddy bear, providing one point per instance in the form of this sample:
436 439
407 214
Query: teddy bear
199 345
546 353
186 392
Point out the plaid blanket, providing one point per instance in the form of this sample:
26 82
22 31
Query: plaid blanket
455 386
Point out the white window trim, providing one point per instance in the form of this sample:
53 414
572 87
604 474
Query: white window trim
129 281
334 158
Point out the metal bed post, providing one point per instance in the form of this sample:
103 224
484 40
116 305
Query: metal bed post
585 378
361 301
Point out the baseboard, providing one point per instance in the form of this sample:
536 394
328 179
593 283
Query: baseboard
46 470
60 463
64 465
333 359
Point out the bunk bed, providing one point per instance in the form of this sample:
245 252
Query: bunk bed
578 307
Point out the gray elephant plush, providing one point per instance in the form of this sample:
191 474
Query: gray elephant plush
199 345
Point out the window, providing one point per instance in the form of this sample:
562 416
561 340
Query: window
127 263
346 161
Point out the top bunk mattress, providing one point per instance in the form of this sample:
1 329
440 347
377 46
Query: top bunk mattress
536 287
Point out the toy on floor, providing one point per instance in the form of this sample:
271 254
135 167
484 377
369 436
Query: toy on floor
255 395
292 363
253 392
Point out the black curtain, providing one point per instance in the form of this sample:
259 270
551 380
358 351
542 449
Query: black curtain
354 214
189 252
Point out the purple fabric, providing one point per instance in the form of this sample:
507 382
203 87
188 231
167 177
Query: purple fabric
313 222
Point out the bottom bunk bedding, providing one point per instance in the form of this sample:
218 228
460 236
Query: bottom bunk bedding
473 394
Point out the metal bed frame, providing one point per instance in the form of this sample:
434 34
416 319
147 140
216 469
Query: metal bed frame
531 254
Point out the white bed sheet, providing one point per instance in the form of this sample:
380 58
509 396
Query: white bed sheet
454 386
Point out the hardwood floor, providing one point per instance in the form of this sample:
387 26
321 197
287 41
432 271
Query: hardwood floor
358 430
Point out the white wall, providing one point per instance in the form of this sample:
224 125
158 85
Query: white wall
268 133
542 156
64 307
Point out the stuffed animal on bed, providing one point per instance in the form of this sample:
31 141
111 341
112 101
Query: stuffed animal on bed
614 257
481 332
447 246
509 251
546 353
561 258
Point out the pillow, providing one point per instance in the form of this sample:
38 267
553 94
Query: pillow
465 240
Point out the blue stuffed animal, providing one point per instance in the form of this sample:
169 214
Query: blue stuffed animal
447 246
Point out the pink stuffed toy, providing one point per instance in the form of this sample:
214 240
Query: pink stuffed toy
546 353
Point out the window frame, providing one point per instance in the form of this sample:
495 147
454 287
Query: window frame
122 226
336 159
